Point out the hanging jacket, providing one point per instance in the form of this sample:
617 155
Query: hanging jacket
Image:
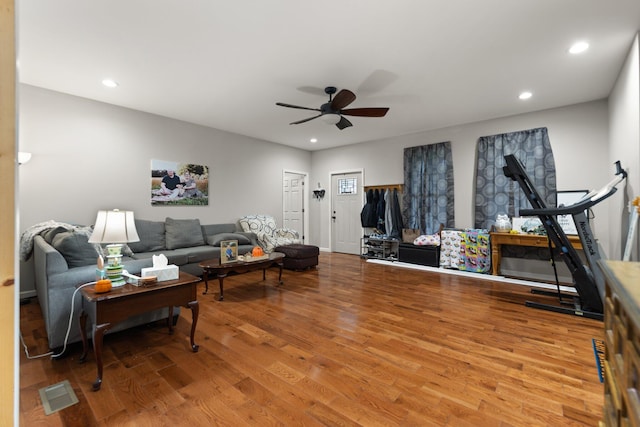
396 215
380 211
388 218
376 199
368 214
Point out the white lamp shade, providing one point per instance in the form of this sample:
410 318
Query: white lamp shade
114 227
331 118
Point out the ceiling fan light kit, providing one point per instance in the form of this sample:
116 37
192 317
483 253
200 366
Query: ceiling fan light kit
331 119
333 111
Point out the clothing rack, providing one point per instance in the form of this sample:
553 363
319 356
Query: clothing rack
389 221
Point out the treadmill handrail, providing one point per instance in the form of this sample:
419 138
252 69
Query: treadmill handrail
603 193
585 203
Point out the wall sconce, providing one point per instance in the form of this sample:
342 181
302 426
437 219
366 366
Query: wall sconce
23 157
319 193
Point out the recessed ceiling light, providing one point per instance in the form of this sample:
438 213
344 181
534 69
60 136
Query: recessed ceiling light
525 95
578 47
313 140
110 83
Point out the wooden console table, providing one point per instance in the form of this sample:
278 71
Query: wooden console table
532 240
106 309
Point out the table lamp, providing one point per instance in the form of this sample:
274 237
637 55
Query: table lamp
114 228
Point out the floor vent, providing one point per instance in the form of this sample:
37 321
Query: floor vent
57 396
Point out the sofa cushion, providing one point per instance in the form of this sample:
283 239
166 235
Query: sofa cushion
217 238
211 229
183 233
151 236
173 256
75 249
195 255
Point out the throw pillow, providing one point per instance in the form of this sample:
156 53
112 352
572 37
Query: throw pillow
217 238
151 235
427 240
258 224
183 233
75 249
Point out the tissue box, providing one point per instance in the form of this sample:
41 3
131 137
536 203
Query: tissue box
170 272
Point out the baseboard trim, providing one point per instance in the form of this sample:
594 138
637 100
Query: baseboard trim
27 294
479 276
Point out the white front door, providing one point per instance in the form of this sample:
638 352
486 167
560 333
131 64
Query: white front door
346 205
293 196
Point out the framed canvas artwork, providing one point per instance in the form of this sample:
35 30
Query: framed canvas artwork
175 183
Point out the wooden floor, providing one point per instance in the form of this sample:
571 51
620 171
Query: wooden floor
349 344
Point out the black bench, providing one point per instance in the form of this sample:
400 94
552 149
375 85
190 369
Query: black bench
416 254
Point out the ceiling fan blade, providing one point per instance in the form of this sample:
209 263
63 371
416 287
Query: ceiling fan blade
365 112
305 120
343 123
282 104
342 99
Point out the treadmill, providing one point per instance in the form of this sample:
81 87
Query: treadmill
588 280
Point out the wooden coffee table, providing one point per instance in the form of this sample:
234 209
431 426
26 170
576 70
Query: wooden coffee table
106 309
215 268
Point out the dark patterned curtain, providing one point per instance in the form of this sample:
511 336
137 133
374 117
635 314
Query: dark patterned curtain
427 199
497 194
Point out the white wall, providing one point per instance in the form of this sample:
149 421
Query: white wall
89 155
578 134
624 145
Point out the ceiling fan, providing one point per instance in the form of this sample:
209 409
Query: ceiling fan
333 112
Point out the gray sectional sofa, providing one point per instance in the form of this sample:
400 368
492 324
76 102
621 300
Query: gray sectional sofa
64 259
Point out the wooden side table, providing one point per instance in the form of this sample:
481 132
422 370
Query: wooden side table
533 240
106 309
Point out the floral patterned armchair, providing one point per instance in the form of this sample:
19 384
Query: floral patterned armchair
269 237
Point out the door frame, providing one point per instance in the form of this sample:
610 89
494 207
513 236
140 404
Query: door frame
332 190
9 218
305 199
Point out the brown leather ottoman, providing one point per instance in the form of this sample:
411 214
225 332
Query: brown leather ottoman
299 257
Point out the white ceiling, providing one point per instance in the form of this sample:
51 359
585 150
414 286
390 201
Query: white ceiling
225 64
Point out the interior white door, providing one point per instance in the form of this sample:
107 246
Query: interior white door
293 196
346 205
